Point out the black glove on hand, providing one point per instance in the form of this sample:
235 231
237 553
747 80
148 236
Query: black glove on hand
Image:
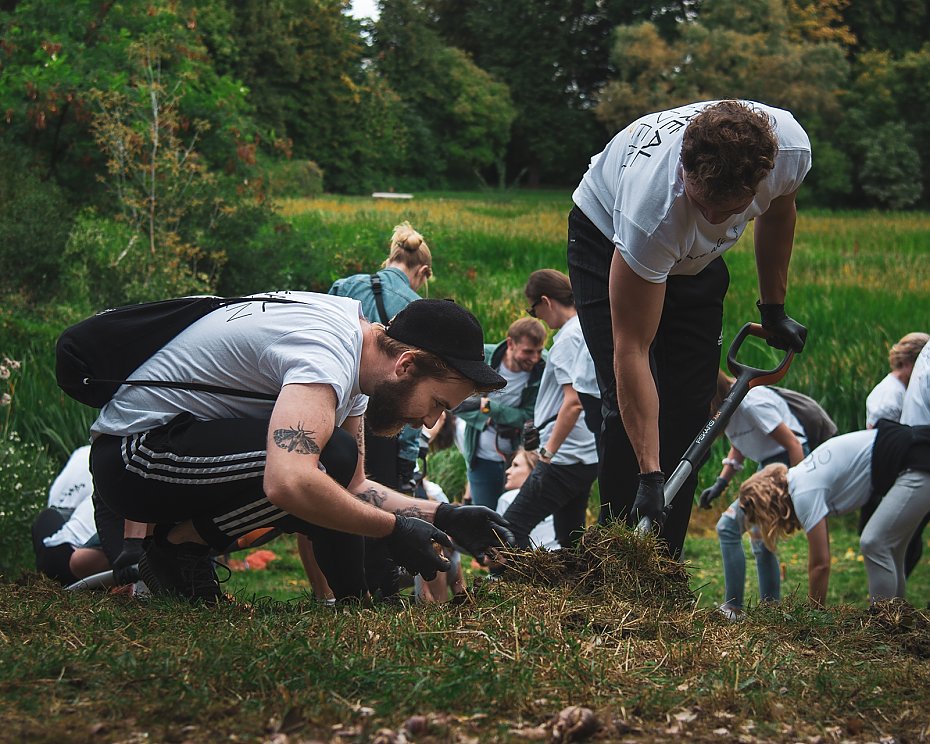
411 546
709 494
786 333
124 567
650 498
476 528
530 437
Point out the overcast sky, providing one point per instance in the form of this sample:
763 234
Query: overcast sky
365 8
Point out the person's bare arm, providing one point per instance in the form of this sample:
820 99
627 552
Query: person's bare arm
567 417
301 425
774 240
789 440
818 563
635 310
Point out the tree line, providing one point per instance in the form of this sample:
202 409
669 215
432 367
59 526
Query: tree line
177 121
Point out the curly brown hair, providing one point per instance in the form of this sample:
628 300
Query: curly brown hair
728 149
765 501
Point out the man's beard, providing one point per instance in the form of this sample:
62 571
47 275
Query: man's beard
387 404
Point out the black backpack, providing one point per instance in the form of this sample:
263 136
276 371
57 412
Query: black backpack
818 426
95 357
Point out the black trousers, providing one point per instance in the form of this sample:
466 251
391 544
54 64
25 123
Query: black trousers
383 466
211 473
685 357
54 562
559 490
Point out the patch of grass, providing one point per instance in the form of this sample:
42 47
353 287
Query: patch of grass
611 626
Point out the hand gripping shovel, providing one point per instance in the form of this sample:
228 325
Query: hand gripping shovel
746 378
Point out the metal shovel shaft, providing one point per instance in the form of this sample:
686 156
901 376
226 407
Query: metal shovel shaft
746 378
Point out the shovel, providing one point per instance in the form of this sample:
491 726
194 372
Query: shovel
746 378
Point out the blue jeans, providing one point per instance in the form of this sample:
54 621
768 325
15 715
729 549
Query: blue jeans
486 479
730 530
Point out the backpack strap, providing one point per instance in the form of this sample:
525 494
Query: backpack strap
378 292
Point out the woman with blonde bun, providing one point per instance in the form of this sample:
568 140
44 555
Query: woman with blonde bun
890 464
390 460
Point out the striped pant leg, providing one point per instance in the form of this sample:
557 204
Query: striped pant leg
211 472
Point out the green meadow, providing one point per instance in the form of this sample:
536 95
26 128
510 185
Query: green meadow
613 628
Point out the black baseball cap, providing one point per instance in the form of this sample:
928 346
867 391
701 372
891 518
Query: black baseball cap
449 331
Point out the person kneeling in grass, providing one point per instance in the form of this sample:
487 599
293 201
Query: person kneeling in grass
890 463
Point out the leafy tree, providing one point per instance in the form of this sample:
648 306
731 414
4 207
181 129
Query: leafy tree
896 26
553 55
53 54
891 168
459 115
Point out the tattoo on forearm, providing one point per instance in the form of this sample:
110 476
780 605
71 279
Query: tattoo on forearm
373 496
412 511
297 440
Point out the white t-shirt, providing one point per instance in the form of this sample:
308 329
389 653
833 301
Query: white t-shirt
634 193
915 410
835 478
543 534
885 401
79 528
578 447
253 346
584 375
74 483
760 413
488 441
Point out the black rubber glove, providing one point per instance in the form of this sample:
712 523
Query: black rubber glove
411 545
476 528
124 567
530 437
786 332
650 498
709 494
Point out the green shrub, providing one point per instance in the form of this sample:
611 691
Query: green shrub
292 178
26 472
279 257
891 172
35 219
447 469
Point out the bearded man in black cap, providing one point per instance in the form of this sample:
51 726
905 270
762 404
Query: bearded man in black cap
207 468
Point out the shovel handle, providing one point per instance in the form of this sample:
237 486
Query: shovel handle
746 378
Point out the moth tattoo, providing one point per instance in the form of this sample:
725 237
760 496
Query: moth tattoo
297 440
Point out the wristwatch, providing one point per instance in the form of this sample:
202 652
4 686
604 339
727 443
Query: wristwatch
545 454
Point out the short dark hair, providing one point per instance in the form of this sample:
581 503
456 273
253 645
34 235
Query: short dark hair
728 149
553 284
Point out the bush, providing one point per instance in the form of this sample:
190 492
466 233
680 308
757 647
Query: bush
447 469
891 169
292 178
35 219
26 472
279 257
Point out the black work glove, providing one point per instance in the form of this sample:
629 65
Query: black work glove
786 333
530 437
476 528
709 494
124 566
411 546
650 498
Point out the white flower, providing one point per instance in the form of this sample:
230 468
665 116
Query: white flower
5 399
4 372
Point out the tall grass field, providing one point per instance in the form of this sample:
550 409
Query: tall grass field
612 627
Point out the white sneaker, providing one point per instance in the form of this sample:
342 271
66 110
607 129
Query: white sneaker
734 616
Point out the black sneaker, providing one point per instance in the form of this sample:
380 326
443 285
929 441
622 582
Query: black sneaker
184 570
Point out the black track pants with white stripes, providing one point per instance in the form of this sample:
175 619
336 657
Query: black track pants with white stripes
211 473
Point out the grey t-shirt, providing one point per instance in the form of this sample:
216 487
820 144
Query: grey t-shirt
253 346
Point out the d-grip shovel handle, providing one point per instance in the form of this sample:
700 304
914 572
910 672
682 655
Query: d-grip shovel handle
746 378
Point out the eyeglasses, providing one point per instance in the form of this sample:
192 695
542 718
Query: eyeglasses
531 310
